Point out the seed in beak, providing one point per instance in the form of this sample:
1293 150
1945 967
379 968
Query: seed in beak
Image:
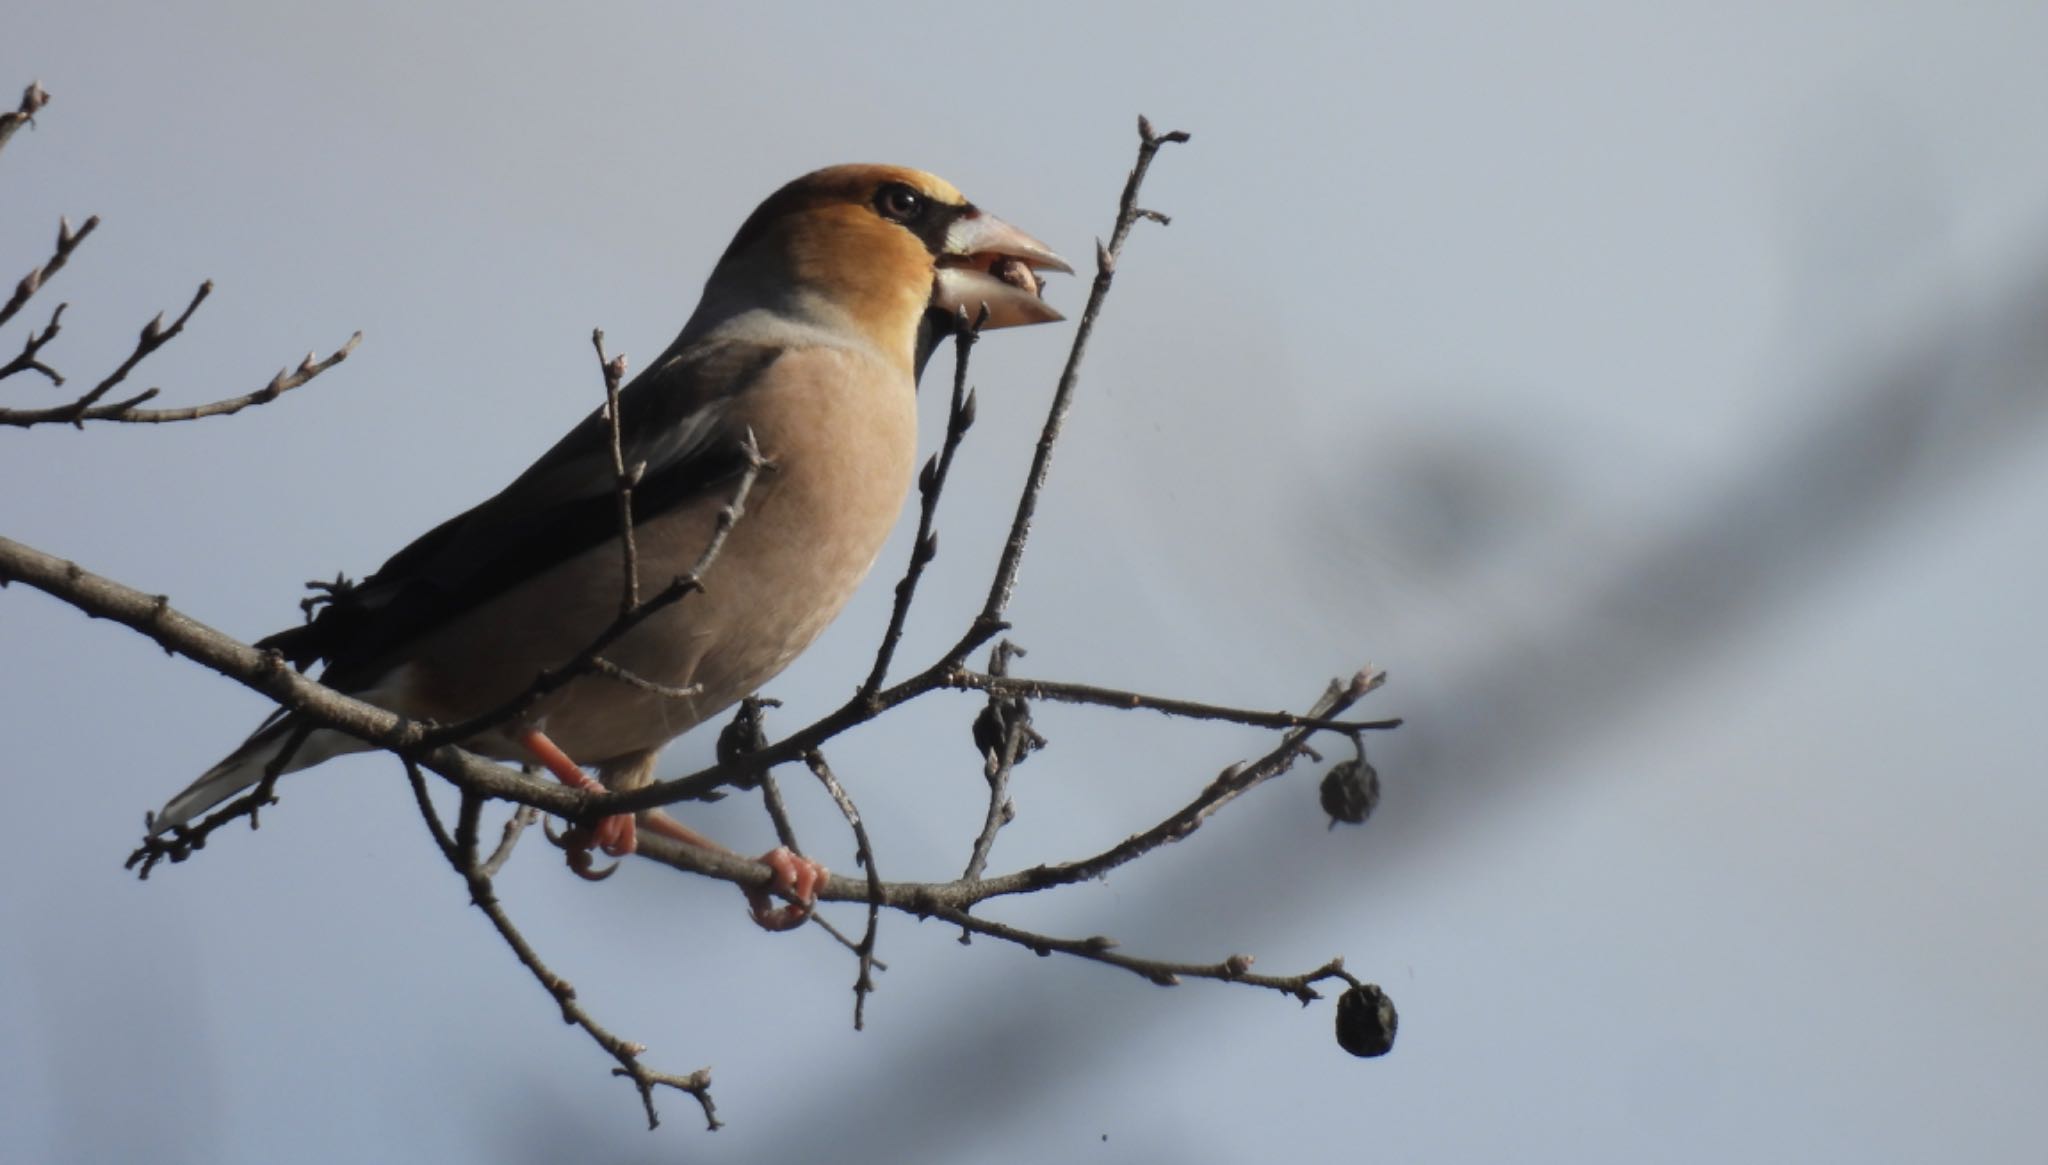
1017 273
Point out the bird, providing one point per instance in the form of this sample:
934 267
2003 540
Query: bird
800 361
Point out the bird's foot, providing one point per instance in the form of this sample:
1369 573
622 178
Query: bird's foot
577 842
615 835
796 877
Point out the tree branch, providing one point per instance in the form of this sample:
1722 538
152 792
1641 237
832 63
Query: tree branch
989 623
925 546
33 98
267 672
463 855
67 242
127 411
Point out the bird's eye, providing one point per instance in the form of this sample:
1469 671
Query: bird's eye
899 203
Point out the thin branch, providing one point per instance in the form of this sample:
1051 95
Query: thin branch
430 815
623 478
67 242
154 335
28 361
864 855
923 898
627 1053
740 738
925 547
1004 731
80 411
999 685
478 779
944 673
33 99
606 668
989 622
1229 785
515 826
267 672
778 814
183 841
1235 969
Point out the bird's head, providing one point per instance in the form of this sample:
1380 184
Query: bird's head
885 250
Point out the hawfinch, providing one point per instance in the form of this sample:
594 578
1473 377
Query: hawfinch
809 339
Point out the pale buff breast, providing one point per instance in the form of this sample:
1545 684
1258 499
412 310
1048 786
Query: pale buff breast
840 427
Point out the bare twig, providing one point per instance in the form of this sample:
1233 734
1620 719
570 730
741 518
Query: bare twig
864 855
923 548
1235 969
268 673
425 801
82 410
508 838
778 813
945 674
924 898
154 335
1229 785
33 99
949 902
28 361
627 1053
478 779
737 739
610 670
183 841
990 622
1000 685
624 478
1008 733
67 242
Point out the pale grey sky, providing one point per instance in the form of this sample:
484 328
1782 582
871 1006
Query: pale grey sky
1656 393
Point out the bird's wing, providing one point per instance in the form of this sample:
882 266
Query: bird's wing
673 424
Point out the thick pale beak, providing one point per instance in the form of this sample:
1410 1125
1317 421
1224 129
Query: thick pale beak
988 261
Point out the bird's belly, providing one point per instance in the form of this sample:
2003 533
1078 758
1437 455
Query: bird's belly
810 529
761 606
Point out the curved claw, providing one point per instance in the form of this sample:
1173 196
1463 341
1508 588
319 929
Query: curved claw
577 841
796 877
581 864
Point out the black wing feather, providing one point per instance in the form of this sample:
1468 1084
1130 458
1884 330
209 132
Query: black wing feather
563 505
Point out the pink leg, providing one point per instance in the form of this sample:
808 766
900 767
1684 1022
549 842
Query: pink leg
796 877
614 835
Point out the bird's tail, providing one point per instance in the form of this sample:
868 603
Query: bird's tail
246 765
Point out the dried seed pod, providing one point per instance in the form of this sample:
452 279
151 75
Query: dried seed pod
747 733
1350 791
1366 1021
